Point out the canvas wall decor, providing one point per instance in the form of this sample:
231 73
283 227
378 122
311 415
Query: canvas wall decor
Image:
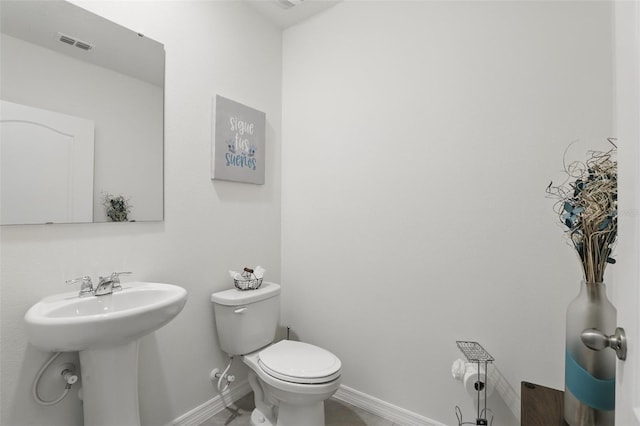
238 144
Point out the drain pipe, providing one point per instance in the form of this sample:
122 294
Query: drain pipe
67 374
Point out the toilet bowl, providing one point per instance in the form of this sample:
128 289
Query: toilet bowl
296 378
290 379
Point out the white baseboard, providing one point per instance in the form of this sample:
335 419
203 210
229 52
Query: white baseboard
383 409
212 407
359 399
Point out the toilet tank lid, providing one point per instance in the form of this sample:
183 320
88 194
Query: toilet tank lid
235 297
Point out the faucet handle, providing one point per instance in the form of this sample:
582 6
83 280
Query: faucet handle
86 288
115 277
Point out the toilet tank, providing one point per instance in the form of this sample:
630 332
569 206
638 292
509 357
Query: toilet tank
246 320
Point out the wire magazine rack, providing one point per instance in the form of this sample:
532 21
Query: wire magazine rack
474 352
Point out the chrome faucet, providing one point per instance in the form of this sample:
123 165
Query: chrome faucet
105 286
109 284
86 289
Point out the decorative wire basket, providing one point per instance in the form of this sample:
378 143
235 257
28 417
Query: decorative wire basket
249 280
474 352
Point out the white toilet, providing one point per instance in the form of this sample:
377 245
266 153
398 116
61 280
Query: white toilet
290 380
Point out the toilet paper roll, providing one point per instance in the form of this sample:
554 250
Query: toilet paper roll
496 381
458 369
474 380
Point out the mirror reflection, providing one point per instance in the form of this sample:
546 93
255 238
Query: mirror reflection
81 117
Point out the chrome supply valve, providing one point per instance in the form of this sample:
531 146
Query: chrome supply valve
86 289
69 375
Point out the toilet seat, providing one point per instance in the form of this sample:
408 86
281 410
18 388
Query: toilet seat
299 362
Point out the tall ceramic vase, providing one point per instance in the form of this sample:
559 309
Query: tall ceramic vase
589 397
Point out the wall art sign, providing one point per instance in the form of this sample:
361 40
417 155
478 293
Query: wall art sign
238 142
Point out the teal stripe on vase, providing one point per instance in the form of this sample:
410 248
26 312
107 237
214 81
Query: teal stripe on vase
596 393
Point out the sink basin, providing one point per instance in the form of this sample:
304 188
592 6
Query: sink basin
66 322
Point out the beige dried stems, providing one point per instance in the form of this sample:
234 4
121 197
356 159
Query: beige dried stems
588 206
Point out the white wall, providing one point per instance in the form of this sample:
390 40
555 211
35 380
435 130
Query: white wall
418 140
209 227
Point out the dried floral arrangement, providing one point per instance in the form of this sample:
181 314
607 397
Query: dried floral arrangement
588 206
116 207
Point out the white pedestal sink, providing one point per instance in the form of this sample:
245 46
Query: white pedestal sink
106 332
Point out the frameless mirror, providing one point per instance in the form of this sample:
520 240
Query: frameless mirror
81 117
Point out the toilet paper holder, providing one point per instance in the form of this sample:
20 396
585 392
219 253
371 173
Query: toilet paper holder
475 353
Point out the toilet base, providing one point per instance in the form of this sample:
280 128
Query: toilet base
297 415
292 415
259 419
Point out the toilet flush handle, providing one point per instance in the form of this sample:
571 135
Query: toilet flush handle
240 310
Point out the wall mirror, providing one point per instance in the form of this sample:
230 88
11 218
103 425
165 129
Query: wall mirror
81 117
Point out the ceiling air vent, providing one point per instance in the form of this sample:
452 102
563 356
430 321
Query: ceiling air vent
83 46
68 40
74 42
